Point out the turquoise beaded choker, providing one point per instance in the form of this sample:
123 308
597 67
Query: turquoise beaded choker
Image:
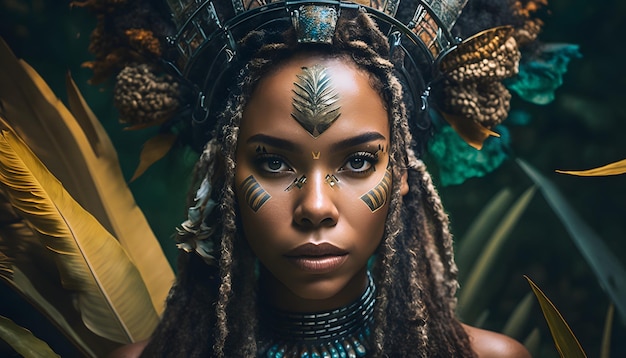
342 332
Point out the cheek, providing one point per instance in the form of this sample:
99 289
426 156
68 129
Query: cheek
378 196
262 212
366 211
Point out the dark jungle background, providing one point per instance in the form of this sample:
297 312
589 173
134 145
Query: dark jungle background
584 127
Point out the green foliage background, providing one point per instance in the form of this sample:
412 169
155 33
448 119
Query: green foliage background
584 127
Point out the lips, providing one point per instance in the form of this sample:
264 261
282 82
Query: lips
321 258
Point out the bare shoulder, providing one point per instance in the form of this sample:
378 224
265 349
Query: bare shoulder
488 344
130 350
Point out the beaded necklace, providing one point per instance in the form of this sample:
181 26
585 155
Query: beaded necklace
342 332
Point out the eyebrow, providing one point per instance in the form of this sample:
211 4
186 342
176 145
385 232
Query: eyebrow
273 141
357 140
290 146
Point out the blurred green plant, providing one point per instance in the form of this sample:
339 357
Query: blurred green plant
23 341
487 246
566 343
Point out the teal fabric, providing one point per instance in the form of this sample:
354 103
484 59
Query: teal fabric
538 79
536 82
458 161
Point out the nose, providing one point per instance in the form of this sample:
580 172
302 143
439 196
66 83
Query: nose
315 206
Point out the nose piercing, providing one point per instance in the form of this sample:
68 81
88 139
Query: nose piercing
297 183
331 180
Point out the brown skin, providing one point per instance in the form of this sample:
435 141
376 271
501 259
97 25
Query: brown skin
486 344
317 213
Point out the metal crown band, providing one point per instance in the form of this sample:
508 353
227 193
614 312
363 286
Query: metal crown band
208 34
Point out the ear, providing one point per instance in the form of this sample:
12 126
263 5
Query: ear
404 183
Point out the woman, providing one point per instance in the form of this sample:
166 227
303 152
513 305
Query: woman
315 230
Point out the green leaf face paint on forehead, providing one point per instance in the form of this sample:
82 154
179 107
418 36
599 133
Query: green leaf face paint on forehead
315 100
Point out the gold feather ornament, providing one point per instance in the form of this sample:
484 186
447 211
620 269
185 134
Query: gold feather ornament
315 102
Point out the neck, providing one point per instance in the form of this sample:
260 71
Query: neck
342 331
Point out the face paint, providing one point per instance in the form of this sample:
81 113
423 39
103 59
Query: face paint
261 149
315 102
377 197
331 180
316 155
254 194
297 183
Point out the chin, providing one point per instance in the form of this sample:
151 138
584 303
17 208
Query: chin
322 290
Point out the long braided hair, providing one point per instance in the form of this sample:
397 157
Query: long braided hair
212 309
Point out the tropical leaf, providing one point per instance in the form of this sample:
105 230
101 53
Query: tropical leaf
77 150
153 150
111 296
481 276
566 343
471 131
478 233
519 317
23 341
603 263
28 268
533 342
605 350
616 168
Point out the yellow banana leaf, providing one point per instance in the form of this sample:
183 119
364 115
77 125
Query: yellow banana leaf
23 341
110 294
29 269
566 343
153 150
615 168
77 150
605 350
471 131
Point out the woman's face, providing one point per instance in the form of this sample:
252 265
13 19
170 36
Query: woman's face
312 182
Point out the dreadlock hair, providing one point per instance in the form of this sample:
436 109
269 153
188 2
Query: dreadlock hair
212 309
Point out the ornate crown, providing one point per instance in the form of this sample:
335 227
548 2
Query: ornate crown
461 80
209 33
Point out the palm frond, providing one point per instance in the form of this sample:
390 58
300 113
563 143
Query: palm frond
77 150
111 296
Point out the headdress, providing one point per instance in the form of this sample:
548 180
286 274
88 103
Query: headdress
419 33
462 80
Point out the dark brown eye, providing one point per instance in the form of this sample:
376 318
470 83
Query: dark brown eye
360 163
272 163
356 163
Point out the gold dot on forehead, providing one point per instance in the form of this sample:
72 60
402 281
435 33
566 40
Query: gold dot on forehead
297 183
331 180
315 100
316 155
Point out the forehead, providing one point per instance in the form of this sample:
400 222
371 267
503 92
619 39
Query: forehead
270 107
